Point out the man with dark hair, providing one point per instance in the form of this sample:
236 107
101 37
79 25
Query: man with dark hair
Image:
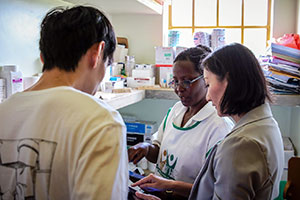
57 141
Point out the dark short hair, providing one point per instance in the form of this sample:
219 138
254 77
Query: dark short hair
67 34
195 55
246 87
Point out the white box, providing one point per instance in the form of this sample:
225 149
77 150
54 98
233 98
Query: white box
165 76
142 73
110 85
164 56
137 82
120 53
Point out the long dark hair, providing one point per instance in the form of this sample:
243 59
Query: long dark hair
247 86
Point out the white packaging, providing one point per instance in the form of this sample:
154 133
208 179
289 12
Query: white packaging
142 73
137 82
13 78
165 75
120 53
143 163
110 85
217 38
164 56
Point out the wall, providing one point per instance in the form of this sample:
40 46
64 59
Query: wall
143 32
19 22
19 32
285 20
298 18
149 109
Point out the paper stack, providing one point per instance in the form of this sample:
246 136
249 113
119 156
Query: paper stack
282 69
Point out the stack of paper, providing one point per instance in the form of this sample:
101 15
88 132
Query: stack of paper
282 69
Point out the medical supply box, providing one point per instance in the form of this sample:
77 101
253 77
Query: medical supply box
140 131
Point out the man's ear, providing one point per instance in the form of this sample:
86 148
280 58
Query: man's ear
97 52
41 57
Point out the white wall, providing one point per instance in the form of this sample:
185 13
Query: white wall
298 18
20 19
19 32
143 32
285 20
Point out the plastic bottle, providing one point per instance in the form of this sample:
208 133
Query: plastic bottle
130 63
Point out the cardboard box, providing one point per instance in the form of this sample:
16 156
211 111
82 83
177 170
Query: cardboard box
110 85
164 56
137 82
140 131
143 73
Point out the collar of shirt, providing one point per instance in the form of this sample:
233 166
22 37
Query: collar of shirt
201 115
261 112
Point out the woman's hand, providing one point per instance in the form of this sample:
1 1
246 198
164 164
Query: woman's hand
146 196
154 182
137 152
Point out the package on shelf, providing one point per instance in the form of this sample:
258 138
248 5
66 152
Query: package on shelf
137 82
164 56
13 79
140 131
120 53
289 152
113 84
143 71
165 76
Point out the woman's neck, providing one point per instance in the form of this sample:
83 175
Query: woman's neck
192 110
237 118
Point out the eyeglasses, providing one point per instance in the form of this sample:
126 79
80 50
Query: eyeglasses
185 83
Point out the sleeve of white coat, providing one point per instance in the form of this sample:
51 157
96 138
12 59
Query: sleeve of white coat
102 170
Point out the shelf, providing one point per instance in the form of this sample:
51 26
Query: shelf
278 100
161 94
120 100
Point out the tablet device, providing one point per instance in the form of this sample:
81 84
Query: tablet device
134 177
